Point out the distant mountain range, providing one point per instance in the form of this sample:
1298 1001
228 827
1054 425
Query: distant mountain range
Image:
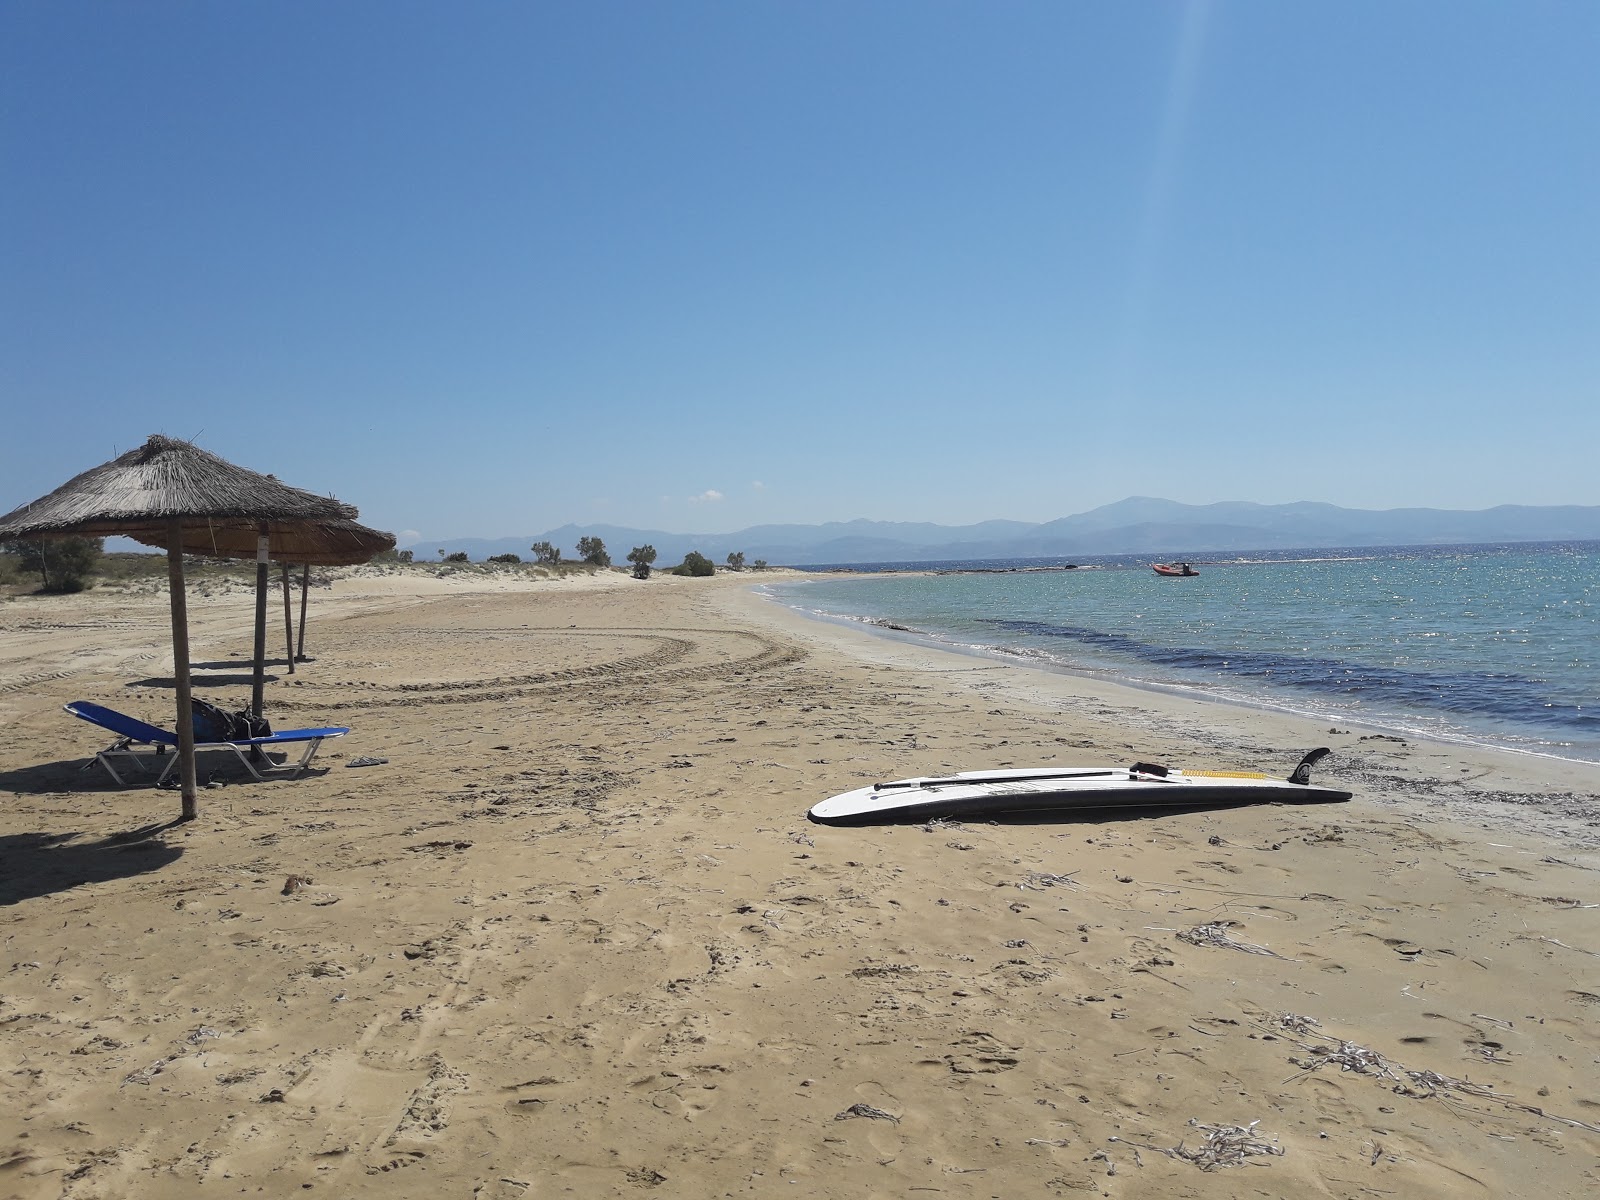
1138 525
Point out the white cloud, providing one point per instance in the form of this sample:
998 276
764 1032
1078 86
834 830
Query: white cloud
758 485
709 496
408 535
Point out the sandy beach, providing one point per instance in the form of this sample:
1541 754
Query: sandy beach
576 937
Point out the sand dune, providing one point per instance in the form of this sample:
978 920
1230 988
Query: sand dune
576 937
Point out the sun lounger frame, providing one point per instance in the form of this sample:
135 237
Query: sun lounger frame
133 732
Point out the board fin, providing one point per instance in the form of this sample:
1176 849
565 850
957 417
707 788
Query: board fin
1302 773
1159 772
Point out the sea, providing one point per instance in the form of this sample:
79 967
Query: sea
1495 645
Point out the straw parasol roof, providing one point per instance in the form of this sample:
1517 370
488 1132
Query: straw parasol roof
169 489
141 491
318 543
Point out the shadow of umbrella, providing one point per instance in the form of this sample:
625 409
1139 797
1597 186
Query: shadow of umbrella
167 490
84 775
43 864
197 681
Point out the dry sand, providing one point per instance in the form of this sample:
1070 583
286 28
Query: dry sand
576 936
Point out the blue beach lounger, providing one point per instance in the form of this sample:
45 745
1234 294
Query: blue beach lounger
132 732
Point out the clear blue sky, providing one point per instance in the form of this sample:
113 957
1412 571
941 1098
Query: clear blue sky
485 268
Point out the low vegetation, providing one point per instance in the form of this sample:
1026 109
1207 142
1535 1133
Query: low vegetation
695 563
641 557
63 565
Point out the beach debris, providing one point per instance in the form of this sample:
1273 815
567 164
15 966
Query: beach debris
879 970
1295 1023
144 1075
865 1110
1561 862
1216 934
1564 946
1224 1146
294 883
1355 1058
938 824
1038 881
367 760
1416 1085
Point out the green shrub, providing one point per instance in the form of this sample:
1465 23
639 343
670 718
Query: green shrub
459 556
695 563
641 557
505 558
63 565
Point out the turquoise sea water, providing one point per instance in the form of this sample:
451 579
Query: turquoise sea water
1497 645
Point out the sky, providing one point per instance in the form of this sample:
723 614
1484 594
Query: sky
485 268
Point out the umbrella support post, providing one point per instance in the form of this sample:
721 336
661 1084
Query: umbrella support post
180 669
288 621
258 684
305 586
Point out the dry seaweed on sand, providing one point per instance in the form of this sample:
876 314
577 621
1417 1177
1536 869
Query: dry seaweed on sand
1038 881
865 1110
1295 1023
1224 1146
1418 1085
1216 934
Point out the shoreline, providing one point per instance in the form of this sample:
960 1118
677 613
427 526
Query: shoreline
1391 723
1225 725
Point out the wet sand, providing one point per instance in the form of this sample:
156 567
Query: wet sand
576 936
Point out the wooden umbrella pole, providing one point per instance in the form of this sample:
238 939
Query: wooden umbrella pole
180 667
288 621
258 684
305 586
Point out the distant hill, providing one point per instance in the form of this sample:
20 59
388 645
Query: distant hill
1137 525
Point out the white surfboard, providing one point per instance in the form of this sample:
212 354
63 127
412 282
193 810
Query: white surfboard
1064 789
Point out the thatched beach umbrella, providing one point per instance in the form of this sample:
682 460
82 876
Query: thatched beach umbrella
167 489
320 543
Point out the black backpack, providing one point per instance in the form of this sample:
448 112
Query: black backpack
213 724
